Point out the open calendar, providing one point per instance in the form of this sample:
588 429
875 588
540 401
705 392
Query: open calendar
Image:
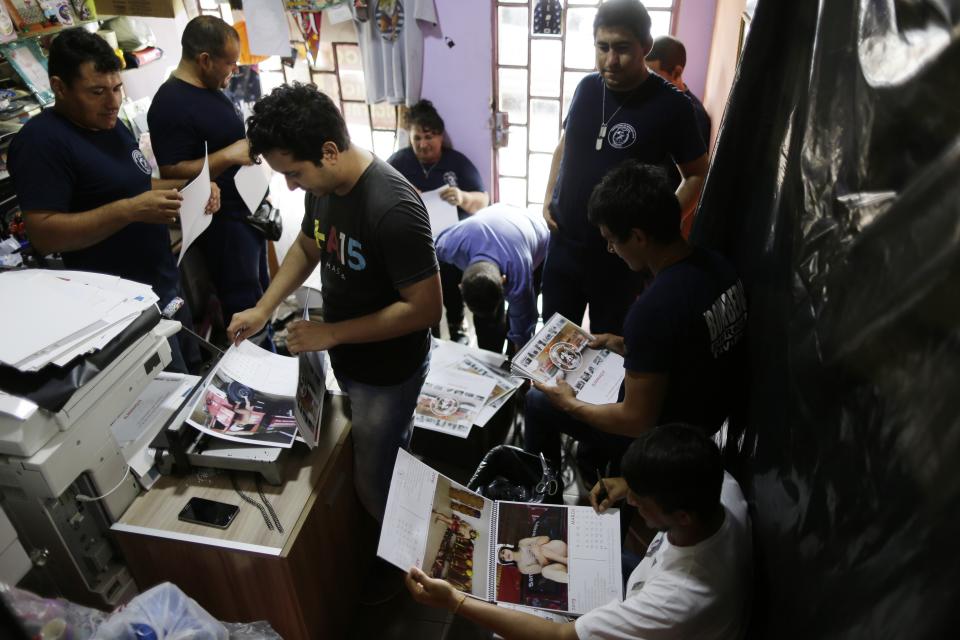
551 557
255 396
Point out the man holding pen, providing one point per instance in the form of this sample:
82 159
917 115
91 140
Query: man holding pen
695 579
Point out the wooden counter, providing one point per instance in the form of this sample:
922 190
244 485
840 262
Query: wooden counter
304 581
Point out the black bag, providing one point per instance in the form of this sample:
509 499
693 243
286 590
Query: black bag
266 219
510 473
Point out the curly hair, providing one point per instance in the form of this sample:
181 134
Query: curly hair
297 119
636 196
74 47
424 115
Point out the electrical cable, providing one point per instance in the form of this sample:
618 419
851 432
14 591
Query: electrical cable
85 498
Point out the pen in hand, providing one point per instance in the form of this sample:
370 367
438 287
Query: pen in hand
603 495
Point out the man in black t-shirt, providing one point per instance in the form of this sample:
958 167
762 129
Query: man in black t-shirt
623 112
83 184
368 231
682 340
189 111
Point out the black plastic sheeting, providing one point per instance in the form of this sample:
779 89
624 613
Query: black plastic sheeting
52 387
835 189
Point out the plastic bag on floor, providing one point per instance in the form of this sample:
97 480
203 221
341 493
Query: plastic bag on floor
162 613
510 473
53 617
251 631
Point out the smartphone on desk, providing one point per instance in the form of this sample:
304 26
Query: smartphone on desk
209 512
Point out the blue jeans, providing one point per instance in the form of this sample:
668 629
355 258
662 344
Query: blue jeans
543 424
574 277
382 417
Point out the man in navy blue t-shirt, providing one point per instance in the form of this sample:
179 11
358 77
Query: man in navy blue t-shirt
682 340
428 165
83 184
623 112
188 111
667 59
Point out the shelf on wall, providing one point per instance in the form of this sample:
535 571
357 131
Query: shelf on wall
46 31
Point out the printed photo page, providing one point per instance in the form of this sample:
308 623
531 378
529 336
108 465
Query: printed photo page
559 351
438 525
504 386
450 401
249 397
557 558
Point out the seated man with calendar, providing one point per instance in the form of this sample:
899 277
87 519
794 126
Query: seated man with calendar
682 341
695 580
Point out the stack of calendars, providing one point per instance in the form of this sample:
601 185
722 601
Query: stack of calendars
461 391
560 352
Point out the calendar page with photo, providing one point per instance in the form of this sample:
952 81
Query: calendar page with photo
559 351
550 557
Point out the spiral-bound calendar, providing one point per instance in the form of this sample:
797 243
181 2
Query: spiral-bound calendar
551 557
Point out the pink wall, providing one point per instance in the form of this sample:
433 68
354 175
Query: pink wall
695 31
458 80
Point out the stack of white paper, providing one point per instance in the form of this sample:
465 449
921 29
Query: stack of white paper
56 316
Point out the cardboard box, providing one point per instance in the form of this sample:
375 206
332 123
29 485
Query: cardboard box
149 8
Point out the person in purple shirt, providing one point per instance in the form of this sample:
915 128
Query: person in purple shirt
496 257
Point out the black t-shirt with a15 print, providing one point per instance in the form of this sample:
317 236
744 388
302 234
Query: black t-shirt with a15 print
373 241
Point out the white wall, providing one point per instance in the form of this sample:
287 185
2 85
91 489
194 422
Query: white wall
695 30
144 82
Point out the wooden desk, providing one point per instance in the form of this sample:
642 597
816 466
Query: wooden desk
305 582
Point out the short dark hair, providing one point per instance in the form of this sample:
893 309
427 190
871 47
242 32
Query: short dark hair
75 47
676 465
297 119
636 196
206 34
629 14
669 52
424 115
482 288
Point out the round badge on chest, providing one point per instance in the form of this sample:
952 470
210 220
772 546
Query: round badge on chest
141 161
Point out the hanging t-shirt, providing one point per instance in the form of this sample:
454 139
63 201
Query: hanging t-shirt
58 166
391 44
453 169
701 591
182 118
689 324
373 241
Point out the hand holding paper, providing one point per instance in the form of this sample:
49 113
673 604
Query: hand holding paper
442 213
193 218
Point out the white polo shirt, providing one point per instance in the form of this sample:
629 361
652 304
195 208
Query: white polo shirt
699 592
